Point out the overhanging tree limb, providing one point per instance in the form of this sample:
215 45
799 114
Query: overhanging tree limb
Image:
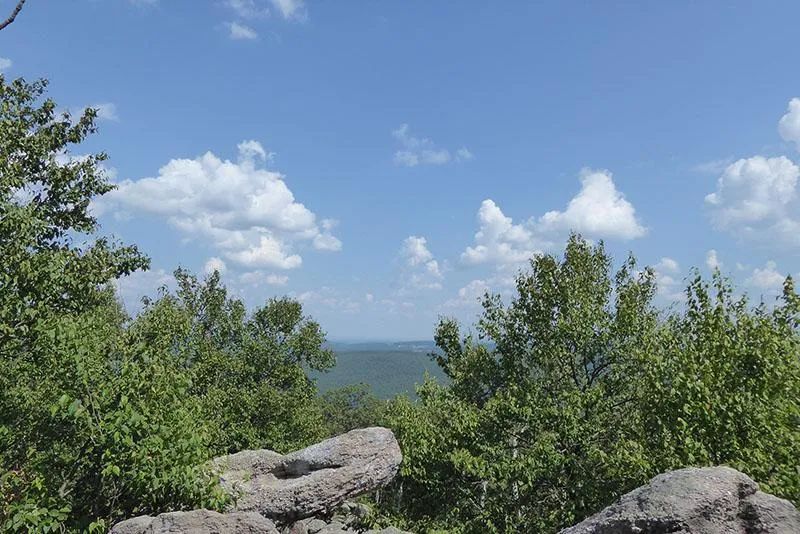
13 15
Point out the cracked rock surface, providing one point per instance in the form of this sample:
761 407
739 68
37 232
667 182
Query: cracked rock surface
710 500
314 480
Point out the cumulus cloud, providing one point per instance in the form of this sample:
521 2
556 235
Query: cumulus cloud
5 63
256 278
248 213
498 239
756 199
767 279
789 125
215 264
712 262
668 286
417 150
416 250
423 271
668 265
248 9
239 32
463 154
290 9
599 209
472 294
329 298
140 284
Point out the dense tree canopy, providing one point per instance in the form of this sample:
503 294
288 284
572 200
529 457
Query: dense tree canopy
587 393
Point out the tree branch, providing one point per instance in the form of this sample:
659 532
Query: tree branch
13 15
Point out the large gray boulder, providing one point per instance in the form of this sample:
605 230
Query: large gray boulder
197 521
313 480
711 500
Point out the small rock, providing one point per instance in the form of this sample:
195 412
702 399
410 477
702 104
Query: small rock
315 525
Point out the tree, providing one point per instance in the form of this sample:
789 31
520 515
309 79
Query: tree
722 386
536 432
248 369
44 206
13 16
350 407
590 391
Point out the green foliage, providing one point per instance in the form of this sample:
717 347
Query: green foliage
351 407
103 417
44 205
588 393
248 370
722 386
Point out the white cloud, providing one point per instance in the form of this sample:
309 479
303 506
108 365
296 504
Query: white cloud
247 213
139 284
248 9
106 111
789 125
416 150
369 297
240 32
756 199
270 252
499 240
5 63
712 167
472 294
215 264
329 298
416 250
598 209
463 154
425 272
668 265
290 8
712 262
768 278
667 286
256 278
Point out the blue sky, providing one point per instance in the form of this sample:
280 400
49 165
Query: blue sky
387 162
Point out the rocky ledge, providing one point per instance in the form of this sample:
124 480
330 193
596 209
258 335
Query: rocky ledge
309 492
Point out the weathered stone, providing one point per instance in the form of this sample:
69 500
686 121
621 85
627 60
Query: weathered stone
334 527
712 500
197 522
315 525
313 480
298 527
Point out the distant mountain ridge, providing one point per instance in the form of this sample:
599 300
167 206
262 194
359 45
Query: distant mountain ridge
383 346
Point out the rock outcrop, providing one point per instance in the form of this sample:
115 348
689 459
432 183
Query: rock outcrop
198 522
711 500
314 480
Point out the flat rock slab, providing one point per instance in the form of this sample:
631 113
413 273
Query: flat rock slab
197 521
313 480
711 500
